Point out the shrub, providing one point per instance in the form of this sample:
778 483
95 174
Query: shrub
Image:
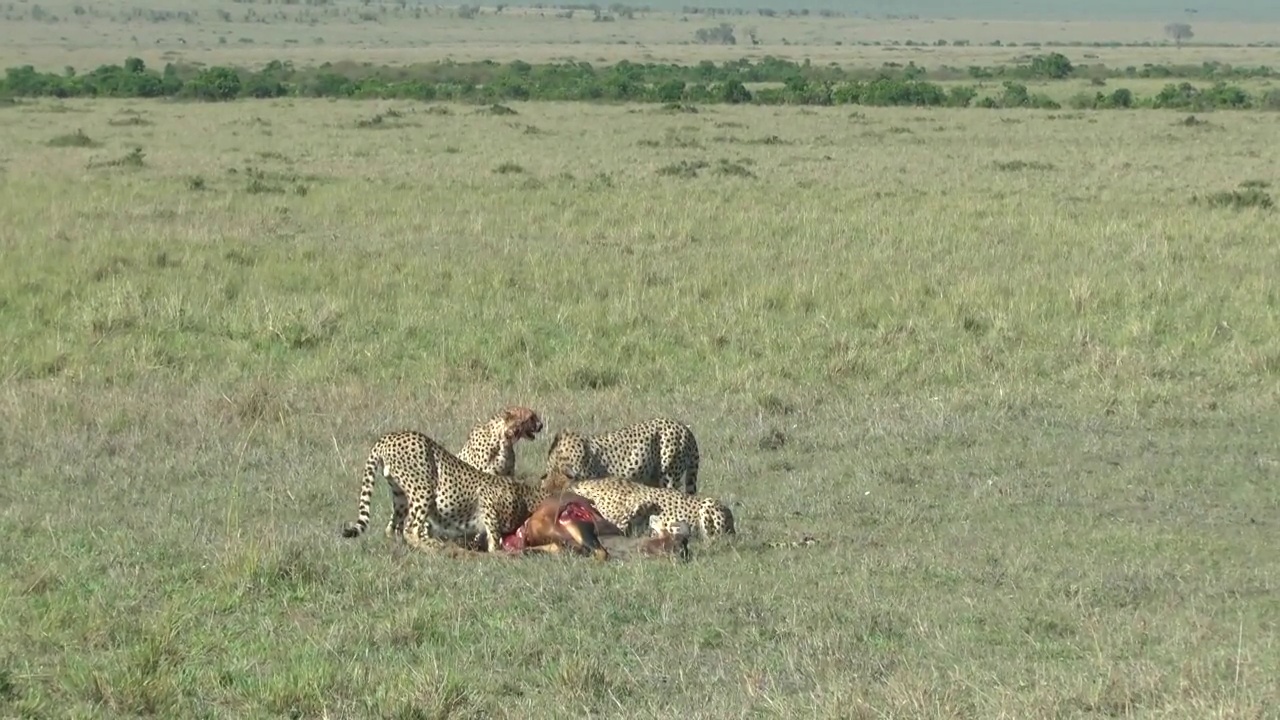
75 139
487 82
1250 197
214 84
722 34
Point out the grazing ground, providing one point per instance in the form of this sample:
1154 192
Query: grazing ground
1019 384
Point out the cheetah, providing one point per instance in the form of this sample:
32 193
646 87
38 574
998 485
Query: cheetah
490 447
432 488
491 444
659 452
639 509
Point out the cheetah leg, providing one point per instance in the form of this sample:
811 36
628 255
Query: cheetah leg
691 465
689 480
414 529
492 529
400 503
418 541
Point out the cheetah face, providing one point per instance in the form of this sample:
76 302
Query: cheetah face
555 480
522 423
566 454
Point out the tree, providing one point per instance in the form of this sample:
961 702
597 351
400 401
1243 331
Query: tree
1054 65
1178 32
722 35
215 83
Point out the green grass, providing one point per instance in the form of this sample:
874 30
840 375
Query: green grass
1013 374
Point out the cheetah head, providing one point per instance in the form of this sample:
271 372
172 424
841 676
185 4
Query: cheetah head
554 480
566 453
522 423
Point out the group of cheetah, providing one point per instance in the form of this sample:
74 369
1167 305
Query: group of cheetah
639 480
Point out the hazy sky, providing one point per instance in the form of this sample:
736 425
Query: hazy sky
1164 10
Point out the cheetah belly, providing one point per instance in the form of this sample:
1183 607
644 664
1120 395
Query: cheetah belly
455 530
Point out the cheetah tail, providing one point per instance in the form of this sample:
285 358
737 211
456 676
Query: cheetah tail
805 542
371 467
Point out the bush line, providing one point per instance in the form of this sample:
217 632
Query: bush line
488 82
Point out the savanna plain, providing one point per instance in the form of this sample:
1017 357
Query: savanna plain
1016 371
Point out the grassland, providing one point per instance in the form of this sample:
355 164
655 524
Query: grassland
1016 370
1017 383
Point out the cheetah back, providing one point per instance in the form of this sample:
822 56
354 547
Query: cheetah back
659 452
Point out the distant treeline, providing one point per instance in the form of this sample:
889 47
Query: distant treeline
790 83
